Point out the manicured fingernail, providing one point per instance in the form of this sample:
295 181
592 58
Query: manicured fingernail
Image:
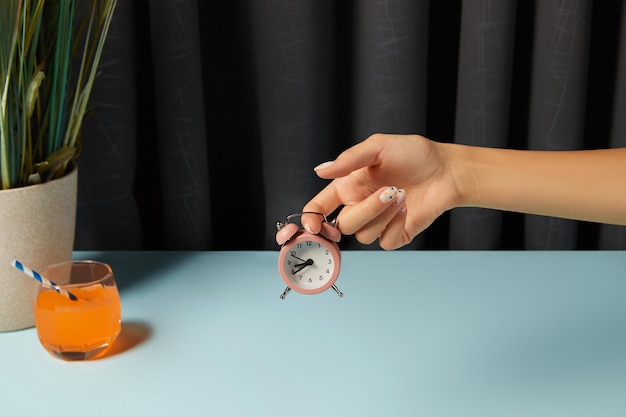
307 228
402 211
401 197
388 195
323 165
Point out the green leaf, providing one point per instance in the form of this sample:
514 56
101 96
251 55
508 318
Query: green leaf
49 56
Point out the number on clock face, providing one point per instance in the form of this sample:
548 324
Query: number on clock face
309 264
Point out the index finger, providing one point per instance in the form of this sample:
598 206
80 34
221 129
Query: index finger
325 202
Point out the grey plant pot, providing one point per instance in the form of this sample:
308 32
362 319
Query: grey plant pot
37 225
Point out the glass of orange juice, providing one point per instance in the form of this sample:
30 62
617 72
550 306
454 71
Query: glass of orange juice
83 327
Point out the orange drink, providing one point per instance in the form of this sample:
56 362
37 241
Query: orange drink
85 327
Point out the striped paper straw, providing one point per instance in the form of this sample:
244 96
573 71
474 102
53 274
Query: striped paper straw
44 281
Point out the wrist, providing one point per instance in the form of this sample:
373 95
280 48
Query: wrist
461 169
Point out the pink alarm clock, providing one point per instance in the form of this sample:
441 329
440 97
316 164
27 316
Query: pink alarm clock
308 263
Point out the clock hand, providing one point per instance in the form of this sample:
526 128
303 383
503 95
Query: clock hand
302 266
300 259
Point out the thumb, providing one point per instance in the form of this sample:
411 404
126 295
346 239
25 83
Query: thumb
361 155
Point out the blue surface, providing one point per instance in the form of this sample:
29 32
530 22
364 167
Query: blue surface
417 333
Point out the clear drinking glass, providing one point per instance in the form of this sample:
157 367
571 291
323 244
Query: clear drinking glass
80 318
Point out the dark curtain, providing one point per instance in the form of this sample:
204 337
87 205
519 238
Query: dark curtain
208 117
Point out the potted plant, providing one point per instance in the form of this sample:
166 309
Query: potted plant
49 56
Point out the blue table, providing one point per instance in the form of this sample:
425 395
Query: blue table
416 334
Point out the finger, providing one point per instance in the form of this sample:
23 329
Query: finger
353 218
325 202
373 230
395 235
361 155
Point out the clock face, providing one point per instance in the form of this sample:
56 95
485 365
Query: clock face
309 264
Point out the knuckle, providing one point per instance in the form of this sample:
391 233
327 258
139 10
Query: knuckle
365 237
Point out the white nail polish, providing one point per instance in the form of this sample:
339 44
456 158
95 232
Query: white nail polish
323 165
400 198
388 195
307 228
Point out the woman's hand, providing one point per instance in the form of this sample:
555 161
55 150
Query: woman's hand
392 187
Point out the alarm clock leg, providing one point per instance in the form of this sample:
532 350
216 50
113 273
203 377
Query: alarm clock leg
339 293
284 294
